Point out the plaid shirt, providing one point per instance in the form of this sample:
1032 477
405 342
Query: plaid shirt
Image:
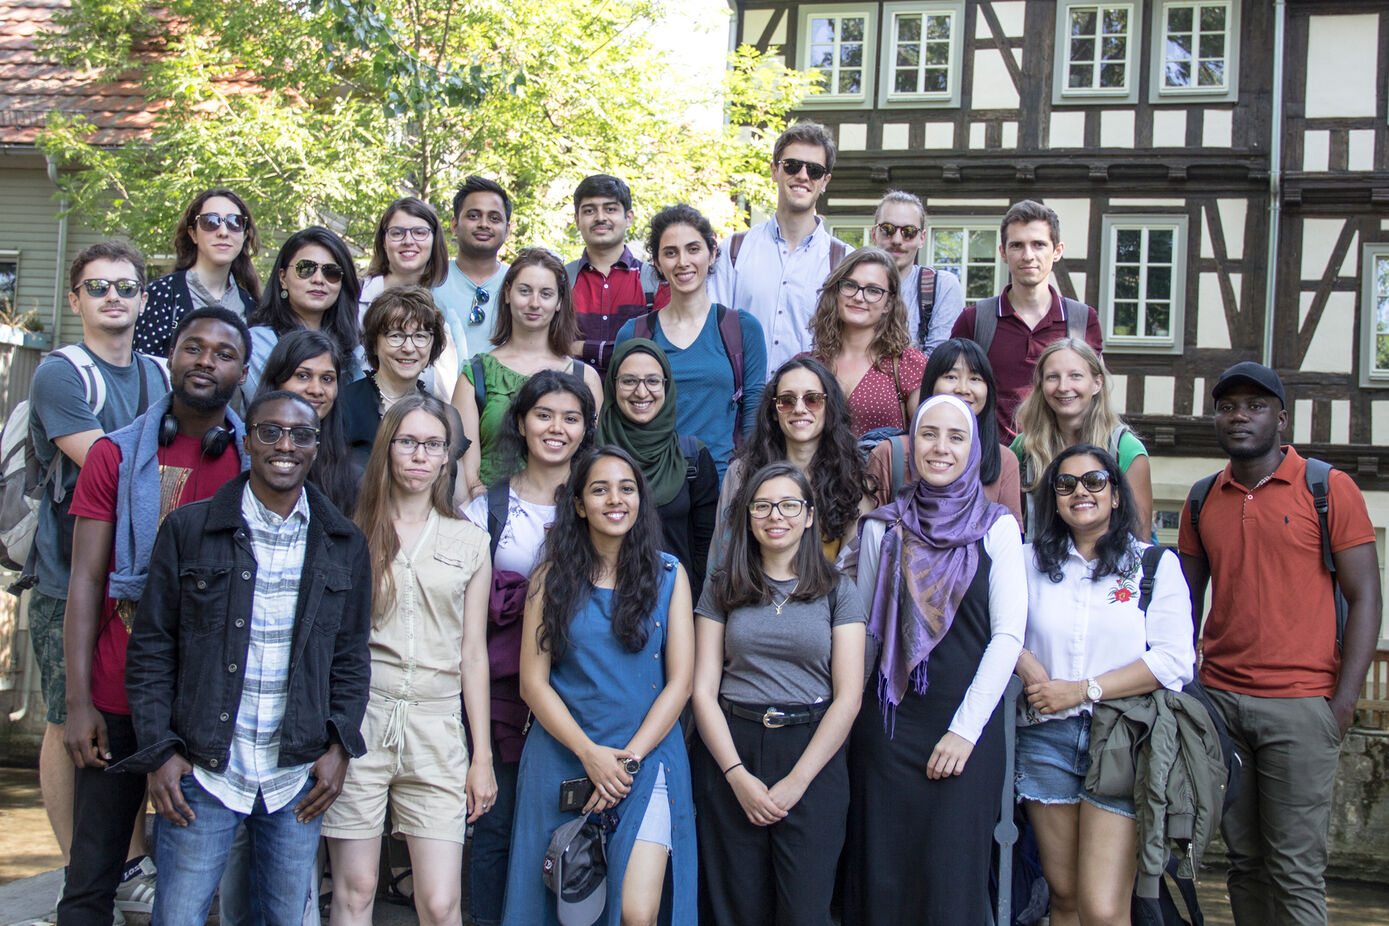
253 768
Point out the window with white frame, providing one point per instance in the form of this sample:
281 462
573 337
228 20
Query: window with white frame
922 52
837 44
1143 296
1375 312
853 232
1097 50
968 249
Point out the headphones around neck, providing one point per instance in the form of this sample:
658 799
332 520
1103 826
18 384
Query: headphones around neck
215 442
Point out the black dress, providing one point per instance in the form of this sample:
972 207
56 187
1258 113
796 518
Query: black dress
918 850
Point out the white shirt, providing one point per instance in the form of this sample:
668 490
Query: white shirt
1079 629
519 547
1007 617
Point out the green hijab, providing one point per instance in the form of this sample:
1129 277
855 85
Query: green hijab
653 445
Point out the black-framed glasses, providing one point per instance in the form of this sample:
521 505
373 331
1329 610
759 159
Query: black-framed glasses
420 339
211 221
97 289
418 232
788 507
1093 482
305 268
652 383
889 229
787 401
477 315
793 166
301 436
871 293
406 446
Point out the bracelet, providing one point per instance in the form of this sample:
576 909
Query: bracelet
731 768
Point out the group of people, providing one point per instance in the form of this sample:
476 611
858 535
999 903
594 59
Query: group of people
463 539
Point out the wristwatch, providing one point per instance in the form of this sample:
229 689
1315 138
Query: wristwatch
632 764
1093 691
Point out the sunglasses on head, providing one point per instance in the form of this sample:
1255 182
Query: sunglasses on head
908 231
97 289
1093 482
306 268
793 166
787 401
478 314
211 221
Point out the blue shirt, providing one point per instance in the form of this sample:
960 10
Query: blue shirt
455 297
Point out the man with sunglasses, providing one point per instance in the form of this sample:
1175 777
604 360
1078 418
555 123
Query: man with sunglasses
470 295
774 269
178 451
248 672
933 298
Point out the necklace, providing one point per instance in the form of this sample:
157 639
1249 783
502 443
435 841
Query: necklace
787 598
384 398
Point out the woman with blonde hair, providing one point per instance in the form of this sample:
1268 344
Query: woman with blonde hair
1069 404
859 331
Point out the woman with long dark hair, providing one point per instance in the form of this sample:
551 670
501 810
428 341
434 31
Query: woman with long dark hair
774 794
1087 641
607 660
213 245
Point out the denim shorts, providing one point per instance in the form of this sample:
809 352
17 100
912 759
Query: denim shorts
1052 759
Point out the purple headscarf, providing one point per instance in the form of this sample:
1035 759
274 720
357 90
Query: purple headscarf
926 563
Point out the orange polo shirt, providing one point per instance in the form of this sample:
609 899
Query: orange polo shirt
1271 629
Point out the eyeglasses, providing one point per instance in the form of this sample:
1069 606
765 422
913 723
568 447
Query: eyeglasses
420 339
478 314
306 268
405 446
788 508
908 231
652 383
418 232
211 221
787 401
300 436
1093 481
871 294
793 166
97 289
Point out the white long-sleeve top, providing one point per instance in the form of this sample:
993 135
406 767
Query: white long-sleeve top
1080 629
1007 617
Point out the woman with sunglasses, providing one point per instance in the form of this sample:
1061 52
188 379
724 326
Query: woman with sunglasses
779 634
958 367
313 285
941 577
859 331
691 331
213 246
803 419
638 415
428 646
535 328
1088 640
1069 404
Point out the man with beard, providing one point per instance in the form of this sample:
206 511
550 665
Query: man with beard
182 449
1270 657
933 298
469 296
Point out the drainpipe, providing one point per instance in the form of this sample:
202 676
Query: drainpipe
1275 178
59 270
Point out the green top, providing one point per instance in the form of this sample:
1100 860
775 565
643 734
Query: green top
1130 448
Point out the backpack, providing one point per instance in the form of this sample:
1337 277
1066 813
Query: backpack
645 271
735 244
22 483
926 303
986 320
730 332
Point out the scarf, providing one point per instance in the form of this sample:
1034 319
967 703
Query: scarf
653 445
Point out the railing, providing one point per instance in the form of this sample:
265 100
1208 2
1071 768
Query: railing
1372 710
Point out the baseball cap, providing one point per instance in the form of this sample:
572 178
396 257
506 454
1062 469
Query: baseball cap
576 869
1255 374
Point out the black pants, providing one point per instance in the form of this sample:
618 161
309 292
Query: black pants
104 805
781 874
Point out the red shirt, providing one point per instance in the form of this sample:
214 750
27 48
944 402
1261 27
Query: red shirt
185 476
604 303
1016 347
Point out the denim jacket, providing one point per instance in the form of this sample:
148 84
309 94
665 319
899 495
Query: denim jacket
193 628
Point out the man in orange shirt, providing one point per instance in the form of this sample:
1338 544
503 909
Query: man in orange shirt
1270 659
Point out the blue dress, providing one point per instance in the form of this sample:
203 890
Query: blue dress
608 690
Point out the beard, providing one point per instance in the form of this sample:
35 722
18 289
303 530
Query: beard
208 403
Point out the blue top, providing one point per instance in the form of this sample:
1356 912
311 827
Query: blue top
608 691
704 382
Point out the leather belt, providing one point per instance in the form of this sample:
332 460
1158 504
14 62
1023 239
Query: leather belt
776 716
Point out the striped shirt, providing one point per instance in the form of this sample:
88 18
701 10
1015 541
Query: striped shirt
253 768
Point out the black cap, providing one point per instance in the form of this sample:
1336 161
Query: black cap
1255 374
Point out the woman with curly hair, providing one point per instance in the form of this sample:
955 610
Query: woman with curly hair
607 661
859 331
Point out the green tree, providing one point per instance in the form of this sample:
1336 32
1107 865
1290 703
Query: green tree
325 110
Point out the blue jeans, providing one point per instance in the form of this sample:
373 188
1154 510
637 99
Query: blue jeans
490 848
191 859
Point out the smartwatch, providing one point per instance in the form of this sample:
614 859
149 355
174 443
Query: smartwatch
632 764
1093 691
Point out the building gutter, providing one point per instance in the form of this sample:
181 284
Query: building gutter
1275 182
60 258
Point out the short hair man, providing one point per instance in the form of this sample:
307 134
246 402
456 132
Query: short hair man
264 570
79 393
774 269
1014 326
182 449
932 297
1270 661
470 295
610 284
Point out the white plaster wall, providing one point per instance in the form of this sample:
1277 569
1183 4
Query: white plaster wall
1342 65
1333 343
1212 330
1075 226
992 88
1232 216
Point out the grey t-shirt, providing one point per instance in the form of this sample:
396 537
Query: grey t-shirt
781 659
58 407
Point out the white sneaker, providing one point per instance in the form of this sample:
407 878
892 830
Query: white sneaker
136 891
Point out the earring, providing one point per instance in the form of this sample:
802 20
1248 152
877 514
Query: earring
284 293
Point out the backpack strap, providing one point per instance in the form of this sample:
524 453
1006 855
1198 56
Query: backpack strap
498 508
650 282
1195 499
1077 318
735 244
837 251
925 301
1115 436
731 333
1319 484
985 322
87 371
689 446
571 270
479 383
901 396
642 326
1151 556
897 447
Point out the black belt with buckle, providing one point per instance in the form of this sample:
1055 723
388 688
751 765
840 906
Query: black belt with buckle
774 716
